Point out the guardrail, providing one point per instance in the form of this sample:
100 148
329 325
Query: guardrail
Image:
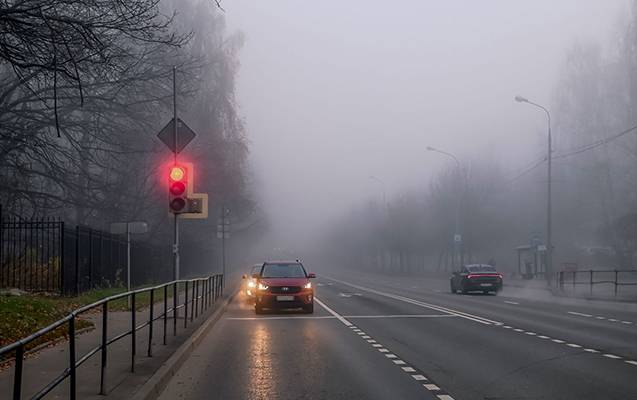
596 277
203 294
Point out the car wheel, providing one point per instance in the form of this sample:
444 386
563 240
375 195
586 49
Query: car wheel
309 309
258 309
485 292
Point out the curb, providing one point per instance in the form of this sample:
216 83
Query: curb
153 388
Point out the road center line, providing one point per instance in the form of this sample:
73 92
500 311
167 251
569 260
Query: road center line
457 313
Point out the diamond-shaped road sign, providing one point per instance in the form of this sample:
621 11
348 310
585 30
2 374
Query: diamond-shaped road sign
184 135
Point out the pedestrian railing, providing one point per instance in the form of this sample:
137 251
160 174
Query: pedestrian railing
198 295
590 278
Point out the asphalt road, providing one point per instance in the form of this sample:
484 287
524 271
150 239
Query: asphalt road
374 337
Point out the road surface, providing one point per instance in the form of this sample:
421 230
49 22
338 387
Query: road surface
375 337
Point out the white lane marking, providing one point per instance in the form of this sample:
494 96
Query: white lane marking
631 362
402 316
345 295
277 318
591 350
519 330
511 302
613 320
461 314
382 350
612 356
577 346
371 341
580 314
626 322
600 317
377 345
431 386
557 341
507 327
366 337
543 337
531 333
445 397
334 313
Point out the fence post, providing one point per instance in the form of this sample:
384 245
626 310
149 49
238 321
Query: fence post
104 347
17 377
72 375
196 300
616 283
574 272
165 311
62 261
77 260
150 323
186 306
591 282
175 309
133 331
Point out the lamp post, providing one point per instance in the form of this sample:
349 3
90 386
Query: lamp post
549 219
457 237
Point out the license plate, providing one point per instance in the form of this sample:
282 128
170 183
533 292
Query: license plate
485 284
284 298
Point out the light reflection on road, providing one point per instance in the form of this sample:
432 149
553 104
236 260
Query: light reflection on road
262 380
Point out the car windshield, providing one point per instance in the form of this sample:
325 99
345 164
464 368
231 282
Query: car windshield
283 271
480 268
255 270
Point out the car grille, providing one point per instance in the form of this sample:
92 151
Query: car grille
281 290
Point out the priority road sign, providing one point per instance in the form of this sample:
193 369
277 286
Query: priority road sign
184 135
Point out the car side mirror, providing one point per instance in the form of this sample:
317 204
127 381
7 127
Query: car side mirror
244 276
311 275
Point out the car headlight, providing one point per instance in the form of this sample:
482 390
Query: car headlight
262 286
307 285
252 284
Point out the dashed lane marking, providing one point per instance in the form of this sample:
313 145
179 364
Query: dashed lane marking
413 372
460 314
600 317
573 345
511 302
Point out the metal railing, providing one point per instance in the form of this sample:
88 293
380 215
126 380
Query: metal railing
203 294
617 278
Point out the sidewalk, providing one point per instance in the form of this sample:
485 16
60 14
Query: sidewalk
44 366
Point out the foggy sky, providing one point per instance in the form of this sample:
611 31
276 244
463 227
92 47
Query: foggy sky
335 91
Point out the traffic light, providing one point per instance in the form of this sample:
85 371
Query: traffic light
178 188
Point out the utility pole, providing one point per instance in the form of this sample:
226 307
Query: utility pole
175 215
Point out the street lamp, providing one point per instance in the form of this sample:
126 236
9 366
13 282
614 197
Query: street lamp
457 237
549 228
382 183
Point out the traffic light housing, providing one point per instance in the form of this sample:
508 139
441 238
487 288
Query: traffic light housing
178 189
181 198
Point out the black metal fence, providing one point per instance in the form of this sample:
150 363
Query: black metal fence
611 278
199 295
45 254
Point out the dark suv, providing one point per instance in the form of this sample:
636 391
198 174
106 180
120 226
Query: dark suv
476 277
284 284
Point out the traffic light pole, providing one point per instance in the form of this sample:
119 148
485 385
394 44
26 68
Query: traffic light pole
175 215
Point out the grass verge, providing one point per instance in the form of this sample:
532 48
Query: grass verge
23 315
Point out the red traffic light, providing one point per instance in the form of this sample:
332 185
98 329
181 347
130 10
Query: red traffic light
177 188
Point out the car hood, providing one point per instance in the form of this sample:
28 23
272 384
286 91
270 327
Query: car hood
284 281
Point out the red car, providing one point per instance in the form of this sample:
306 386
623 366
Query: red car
284 284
